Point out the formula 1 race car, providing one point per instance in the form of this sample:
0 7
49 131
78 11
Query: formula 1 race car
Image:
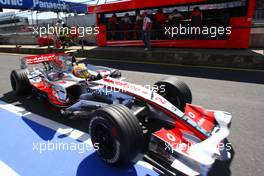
129 122
56 77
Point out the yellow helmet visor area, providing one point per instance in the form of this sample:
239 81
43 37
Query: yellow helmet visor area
81 71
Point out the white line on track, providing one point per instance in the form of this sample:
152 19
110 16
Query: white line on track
5 170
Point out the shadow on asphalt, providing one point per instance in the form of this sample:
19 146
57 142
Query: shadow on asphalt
222 168
43 132
43 108
93 165
208 73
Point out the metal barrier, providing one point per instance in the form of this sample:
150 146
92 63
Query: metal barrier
18 29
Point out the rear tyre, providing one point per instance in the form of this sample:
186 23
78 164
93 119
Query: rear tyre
175 91
116 135
19 82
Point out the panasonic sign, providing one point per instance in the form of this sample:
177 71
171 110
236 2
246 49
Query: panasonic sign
49 5
12 2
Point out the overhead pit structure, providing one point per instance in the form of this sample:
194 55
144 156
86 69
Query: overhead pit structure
224 23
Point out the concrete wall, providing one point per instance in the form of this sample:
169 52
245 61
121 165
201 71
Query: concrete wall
22 40
82 21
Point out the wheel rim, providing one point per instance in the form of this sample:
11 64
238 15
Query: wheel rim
107 144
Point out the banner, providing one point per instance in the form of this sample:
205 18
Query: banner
44 5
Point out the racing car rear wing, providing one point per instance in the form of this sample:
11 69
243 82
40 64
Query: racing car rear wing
36 59
40 58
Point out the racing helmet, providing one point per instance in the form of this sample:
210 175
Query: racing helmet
81 71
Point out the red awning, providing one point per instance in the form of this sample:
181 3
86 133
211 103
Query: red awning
136 4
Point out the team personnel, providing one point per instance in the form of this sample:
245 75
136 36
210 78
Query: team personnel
175 18
113 25
196 17
147 26
159 21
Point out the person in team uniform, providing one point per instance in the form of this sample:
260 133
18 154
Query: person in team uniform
113 26
175 18
196 17
159 21
138 26
146 28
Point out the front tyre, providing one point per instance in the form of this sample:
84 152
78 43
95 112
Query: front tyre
116 74
19 81
175 91
117 134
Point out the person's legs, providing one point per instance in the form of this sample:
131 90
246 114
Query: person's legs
140 35
144 38
148 45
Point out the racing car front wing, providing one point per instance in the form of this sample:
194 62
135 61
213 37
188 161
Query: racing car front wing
192 158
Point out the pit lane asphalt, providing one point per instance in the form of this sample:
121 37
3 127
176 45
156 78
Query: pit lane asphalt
238 92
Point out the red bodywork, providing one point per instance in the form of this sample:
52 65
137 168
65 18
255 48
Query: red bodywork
46 87
175 137
239 37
